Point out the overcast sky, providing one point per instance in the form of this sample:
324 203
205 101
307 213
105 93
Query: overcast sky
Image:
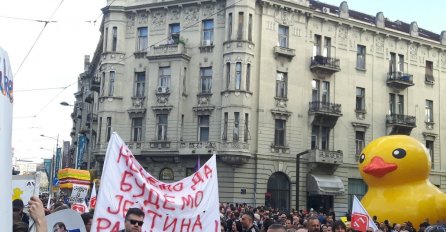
57 58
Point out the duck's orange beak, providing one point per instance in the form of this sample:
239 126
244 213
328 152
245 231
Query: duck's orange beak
378 167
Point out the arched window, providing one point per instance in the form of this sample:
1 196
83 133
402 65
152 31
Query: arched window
166 174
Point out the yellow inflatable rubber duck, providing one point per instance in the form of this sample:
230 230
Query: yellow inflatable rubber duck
396 169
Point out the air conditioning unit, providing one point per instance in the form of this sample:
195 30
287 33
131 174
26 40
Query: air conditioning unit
206 43
163 89
326 10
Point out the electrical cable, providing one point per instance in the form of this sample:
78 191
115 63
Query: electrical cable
35 41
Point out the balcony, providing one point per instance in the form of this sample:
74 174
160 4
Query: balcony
399 80
400 124
89 98
325 160
168 51
324 66
285 52
324 113
95 84
197 147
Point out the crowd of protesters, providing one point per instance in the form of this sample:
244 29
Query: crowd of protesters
233 218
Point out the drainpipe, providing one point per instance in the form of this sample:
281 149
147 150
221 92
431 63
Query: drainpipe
298 155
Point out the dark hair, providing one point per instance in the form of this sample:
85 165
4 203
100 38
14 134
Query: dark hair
20 227
249 214
134 211
238 225
17 205
60 225
339 224
86 217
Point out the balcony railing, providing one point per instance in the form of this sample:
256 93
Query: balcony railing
95 84
399 80
168 51
325 62
401 119
283 51
325 107
325 156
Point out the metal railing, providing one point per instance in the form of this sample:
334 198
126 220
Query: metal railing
401 119
400 76
319 106
329 62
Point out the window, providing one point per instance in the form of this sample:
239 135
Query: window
317 45
143 41
115 39
325 97
320 137
430 149
360 99
401 62
250 28
203 127
236 130
241 19
246 134
248 77
429 111
102 84
174 33
185 80
111 83
396 104
356 187
140 84
100 131
359 141
225 127
108 128
106 39
228 75
182 127
283 36
164 79
360 57
206 80
208 32
315 90
229 26
136 129
238 75
429 76
327 47
281 85
166 174
161 127
279 132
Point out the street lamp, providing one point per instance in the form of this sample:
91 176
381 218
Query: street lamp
298 155
55 162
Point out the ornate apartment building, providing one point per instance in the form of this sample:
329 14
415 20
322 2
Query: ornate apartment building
286 93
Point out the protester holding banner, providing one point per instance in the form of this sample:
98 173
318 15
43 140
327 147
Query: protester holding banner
37 213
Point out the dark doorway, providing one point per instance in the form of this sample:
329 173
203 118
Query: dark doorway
320 203
278 191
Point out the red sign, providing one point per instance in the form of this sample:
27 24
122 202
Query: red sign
360 222
79 207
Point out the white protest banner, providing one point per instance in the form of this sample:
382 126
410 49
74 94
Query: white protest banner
24 187
6 103
188 205
78 193
361 220
70 219
92 202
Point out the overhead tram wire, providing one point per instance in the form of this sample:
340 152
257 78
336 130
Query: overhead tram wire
192 25
37 39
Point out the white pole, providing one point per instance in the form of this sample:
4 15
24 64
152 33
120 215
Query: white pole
6 100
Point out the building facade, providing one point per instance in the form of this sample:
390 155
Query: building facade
286 93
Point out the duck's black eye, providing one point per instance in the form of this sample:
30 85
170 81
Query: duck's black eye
361 158
399 153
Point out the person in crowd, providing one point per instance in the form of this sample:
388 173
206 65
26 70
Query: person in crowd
313 225
248 222
339 226
236 226
134 219
276 228
88 219
17 207
59 227
19 227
